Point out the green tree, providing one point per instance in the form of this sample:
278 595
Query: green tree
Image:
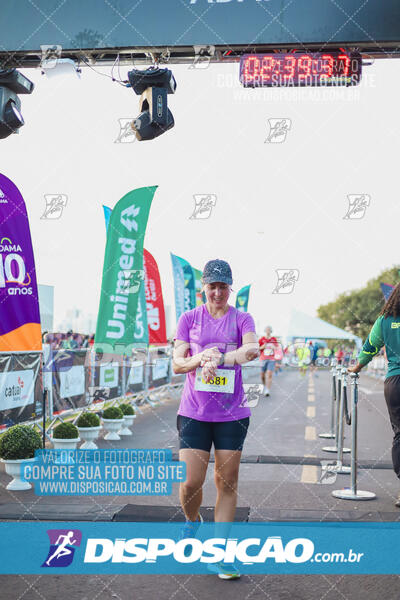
357 310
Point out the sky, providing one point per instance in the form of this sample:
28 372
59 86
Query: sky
279 206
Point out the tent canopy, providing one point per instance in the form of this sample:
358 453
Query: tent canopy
304 326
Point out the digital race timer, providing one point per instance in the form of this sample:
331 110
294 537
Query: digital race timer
300 69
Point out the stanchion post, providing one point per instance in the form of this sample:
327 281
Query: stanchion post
353 493
340 468
337 412
331 434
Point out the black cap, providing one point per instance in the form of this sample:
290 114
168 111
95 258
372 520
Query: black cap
217 270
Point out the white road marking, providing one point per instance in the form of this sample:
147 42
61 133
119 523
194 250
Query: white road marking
311 412
309 474
310 433
366 391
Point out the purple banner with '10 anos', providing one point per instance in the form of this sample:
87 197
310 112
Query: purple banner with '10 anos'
19 306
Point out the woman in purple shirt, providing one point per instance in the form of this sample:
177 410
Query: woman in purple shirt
212 342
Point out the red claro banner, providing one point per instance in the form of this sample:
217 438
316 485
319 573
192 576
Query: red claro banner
154 301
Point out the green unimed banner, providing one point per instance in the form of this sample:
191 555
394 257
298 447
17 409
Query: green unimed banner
123 272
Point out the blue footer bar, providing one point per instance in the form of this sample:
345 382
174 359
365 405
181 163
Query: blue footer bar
153 548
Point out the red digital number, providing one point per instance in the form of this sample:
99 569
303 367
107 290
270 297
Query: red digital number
290 65
346 64
327 64
252 68
304 63
268 64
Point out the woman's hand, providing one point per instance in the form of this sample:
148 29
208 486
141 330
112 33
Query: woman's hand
252 354
356 369
209 370
210 355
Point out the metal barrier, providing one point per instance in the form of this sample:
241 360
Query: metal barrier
75 381
331 433
21 387
353 493
338 425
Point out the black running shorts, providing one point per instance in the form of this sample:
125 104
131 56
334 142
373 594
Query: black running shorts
226 435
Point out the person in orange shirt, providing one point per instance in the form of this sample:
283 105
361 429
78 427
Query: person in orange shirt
269 346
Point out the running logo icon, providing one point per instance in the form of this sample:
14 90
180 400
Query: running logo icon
358 204
126 134
252 395
132 281
55 204
278 130
328 472
63 543
203 56
203 205
286 280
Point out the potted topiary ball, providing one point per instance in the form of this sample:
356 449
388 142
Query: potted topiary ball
88 424
65 436
113 417
17 446
129 415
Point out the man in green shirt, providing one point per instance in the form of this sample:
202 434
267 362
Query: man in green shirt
386 332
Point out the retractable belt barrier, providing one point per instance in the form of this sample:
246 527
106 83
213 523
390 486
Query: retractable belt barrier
331 433
339 378
352 493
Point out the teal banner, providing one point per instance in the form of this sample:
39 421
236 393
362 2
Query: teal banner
189 293
123 274
242 298
200 296
179 286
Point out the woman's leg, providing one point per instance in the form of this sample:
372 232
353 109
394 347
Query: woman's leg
392 397
191 490
226 475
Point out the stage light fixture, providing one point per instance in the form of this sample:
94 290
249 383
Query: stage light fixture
153 85
12 82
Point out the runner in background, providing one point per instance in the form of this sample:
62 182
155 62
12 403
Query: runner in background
268 346
339 355
303 356
386 332
278 357
313 348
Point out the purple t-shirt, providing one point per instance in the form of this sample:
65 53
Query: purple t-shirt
199 329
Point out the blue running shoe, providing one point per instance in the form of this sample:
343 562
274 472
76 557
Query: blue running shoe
224 570
189 530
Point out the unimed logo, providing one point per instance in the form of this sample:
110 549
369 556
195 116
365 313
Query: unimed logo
149 550
63 543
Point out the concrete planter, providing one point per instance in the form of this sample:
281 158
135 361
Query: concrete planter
112 426
13 468
65 443
88 435
128 422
